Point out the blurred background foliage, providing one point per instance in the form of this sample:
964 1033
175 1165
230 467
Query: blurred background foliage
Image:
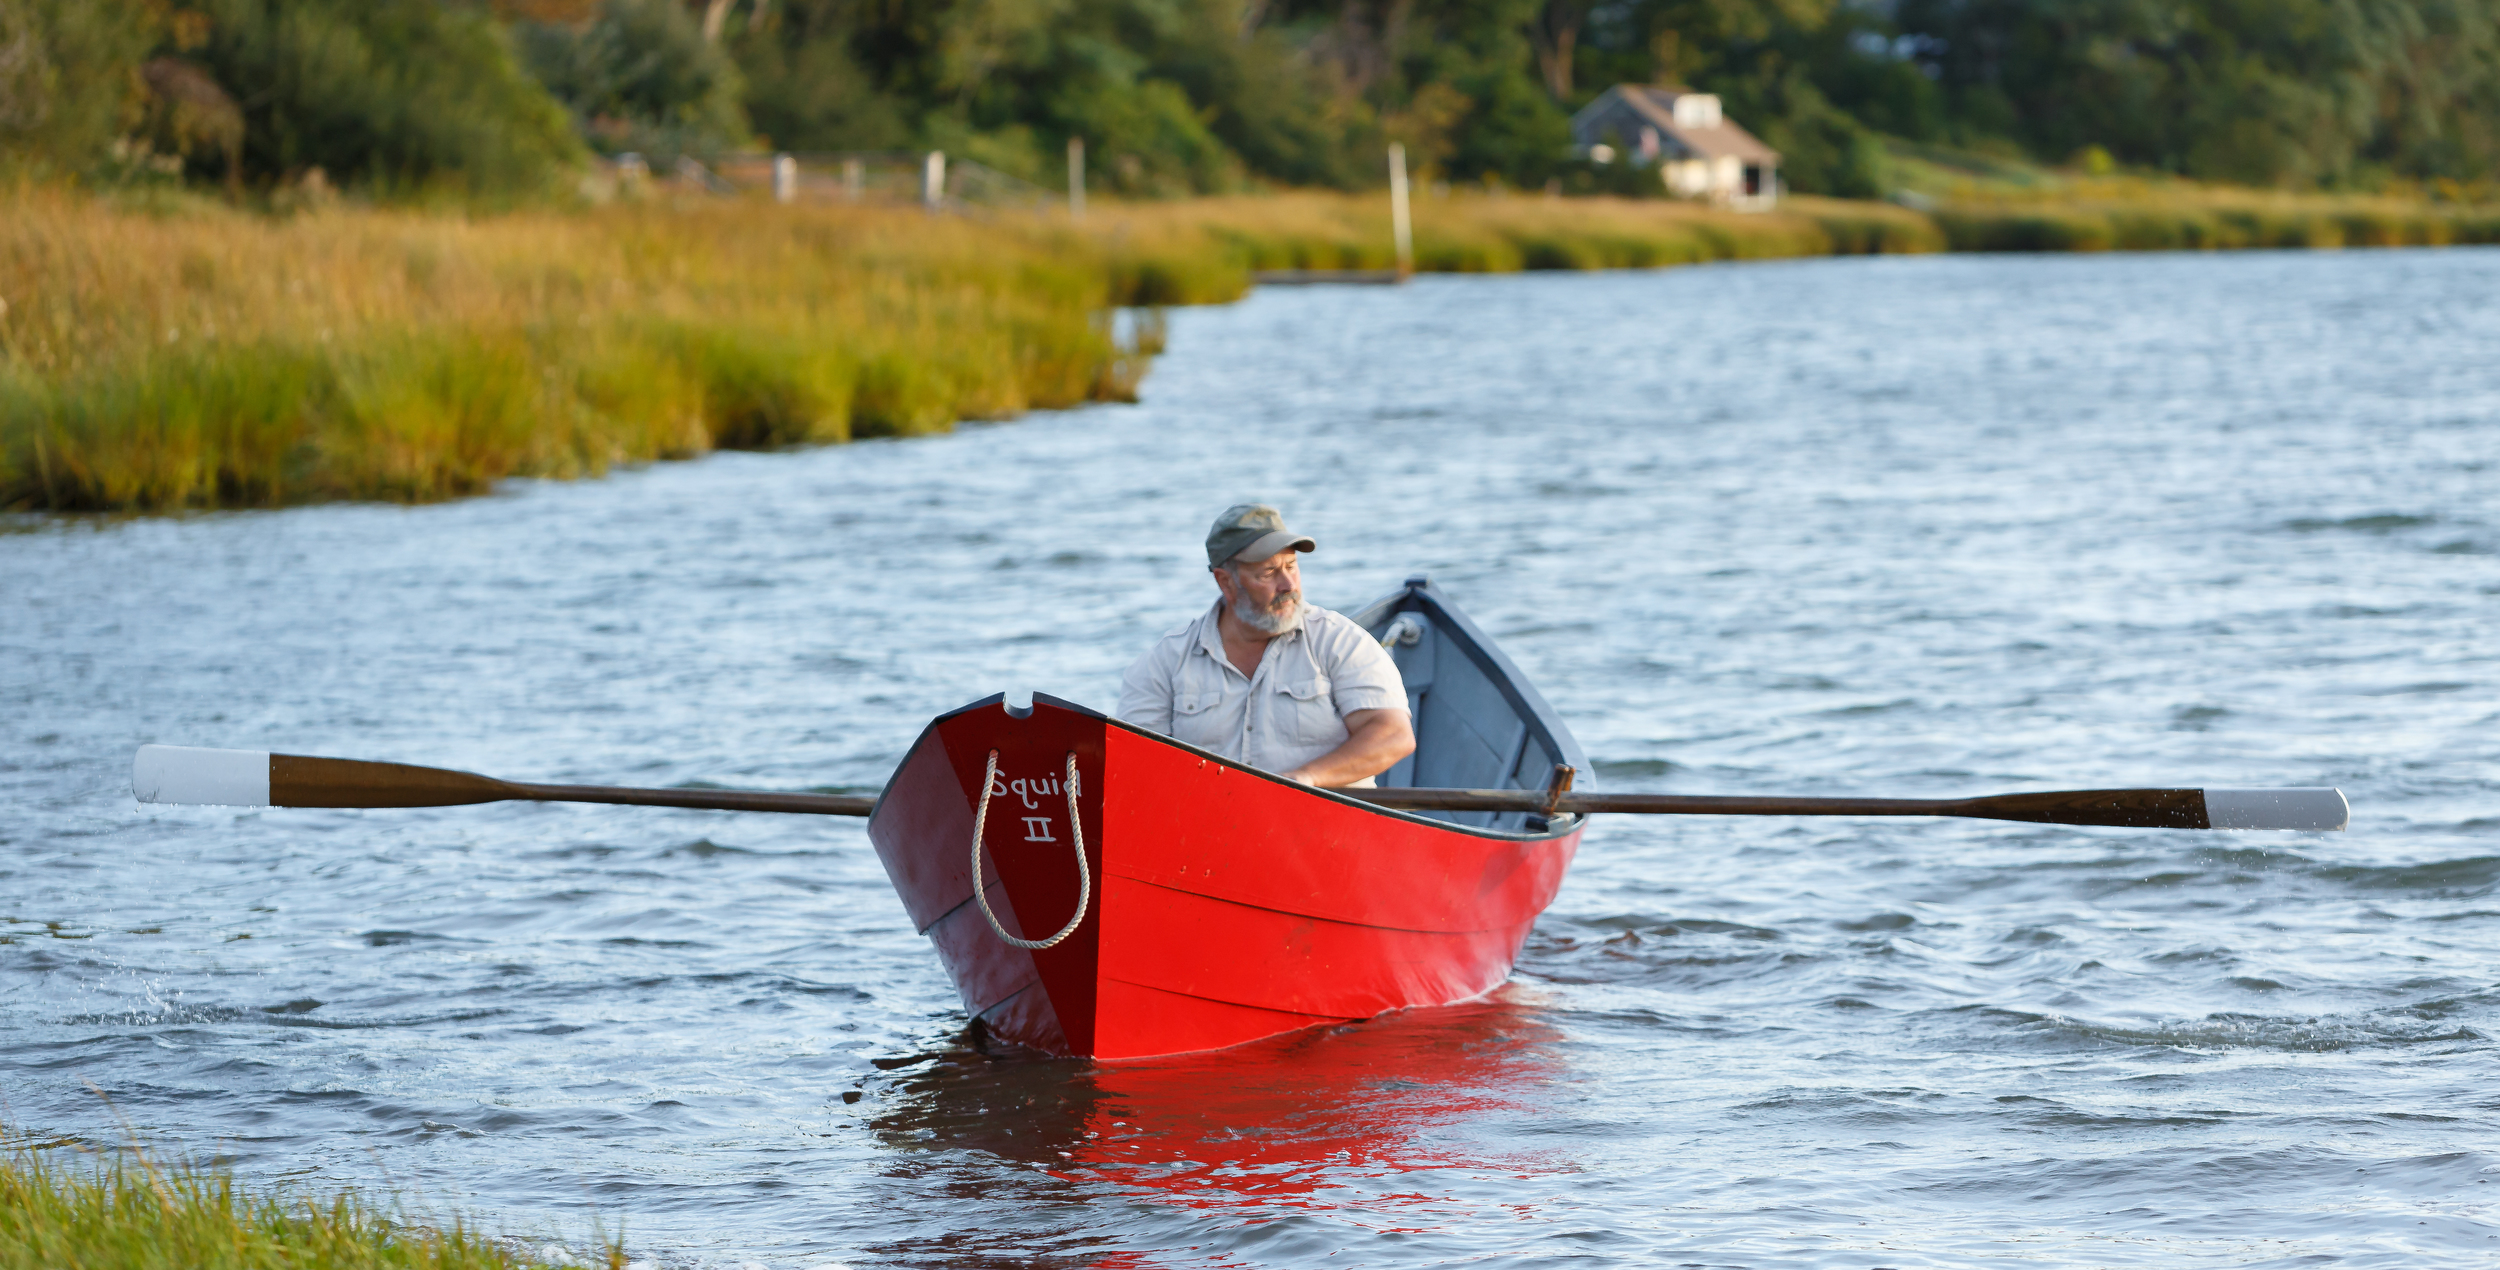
504 97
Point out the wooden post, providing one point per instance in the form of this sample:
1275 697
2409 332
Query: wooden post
1400 227
1076 178
933 181
854 176
785 178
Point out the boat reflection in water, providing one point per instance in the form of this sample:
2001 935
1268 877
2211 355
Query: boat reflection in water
1334 1121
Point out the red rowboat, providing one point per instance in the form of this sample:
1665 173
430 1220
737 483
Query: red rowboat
1217 903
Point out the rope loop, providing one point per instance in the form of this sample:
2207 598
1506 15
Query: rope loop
1076 830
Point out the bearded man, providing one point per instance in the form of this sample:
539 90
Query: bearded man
1265 679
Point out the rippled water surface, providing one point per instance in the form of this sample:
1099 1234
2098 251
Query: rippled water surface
1898 527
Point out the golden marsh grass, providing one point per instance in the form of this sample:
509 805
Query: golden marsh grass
211 358
2141 214
203 357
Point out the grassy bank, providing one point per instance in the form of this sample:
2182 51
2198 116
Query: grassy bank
153 360
127 1212
212 358
1219 238
2139 216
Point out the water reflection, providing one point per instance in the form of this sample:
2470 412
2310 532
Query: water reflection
1346 1121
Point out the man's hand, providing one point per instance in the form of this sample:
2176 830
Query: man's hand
1375 741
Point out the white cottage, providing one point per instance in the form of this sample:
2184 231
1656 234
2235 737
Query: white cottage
1699 153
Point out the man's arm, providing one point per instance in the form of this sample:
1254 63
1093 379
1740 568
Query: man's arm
1375 741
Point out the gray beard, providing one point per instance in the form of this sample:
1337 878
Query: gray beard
1272 623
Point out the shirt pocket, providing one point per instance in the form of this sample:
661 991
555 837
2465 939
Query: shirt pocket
1194 693
1312 713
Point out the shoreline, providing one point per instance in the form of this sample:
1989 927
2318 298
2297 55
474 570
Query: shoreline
204 358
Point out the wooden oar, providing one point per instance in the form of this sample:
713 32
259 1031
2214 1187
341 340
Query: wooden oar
255 778
2126 808
252 778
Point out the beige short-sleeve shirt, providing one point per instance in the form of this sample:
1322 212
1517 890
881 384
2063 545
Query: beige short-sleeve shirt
1292 711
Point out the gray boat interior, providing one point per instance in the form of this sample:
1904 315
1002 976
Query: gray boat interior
1478 722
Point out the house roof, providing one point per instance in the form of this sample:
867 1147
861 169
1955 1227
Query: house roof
1656 107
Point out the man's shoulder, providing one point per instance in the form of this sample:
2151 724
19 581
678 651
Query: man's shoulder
1362 670
1333 634
1331 624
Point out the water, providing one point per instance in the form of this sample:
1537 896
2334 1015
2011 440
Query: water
1888 527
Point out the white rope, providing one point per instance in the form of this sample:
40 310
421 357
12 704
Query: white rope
1076 830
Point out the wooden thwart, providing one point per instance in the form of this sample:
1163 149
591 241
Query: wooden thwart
174 774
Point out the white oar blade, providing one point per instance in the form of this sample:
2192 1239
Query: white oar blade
2277 808
187 774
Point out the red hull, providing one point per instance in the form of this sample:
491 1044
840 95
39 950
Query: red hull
1228 904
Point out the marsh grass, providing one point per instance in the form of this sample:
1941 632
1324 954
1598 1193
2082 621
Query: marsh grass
127 1211
201 359
1204 246
159 355
2141 214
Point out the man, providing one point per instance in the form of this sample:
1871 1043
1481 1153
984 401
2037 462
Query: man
1265 679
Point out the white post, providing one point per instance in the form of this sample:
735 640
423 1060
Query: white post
933 181
1076 178
1400 227
785 178
854 177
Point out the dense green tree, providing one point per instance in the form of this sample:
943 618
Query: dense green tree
641 76
68 80
399 95
1179 96
2294 92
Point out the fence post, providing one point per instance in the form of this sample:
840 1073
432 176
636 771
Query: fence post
1400 227
854 176
1076 178
785 178
933 181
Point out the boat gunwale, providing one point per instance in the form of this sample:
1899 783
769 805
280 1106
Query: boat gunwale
1562 826
1479 647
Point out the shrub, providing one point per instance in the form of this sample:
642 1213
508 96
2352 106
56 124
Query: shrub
68 69
640 76
402 96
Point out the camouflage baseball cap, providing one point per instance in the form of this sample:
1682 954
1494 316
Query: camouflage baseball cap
1251 532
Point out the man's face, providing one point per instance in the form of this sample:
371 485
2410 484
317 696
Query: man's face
1271 589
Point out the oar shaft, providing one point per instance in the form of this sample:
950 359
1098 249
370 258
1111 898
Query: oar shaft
174 774
2312 808
1644 804
251 778
701 799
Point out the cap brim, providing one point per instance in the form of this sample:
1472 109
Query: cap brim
1270 543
